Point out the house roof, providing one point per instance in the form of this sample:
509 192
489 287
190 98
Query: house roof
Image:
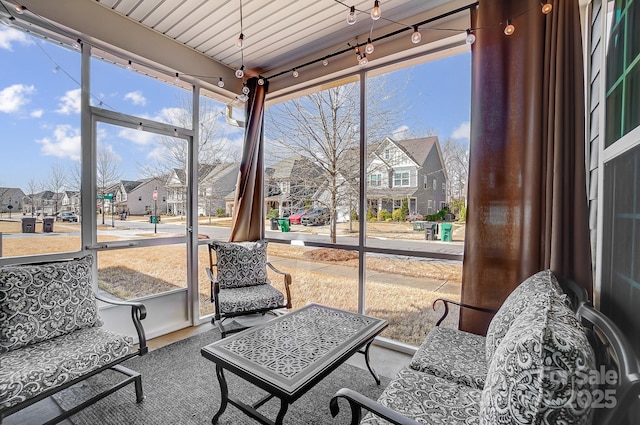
419 148
295 167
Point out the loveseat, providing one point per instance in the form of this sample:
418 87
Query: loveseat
51 335
547 359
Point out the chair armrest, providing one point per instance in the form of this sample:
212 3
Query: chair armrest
357 402
138 313
446 303
287 282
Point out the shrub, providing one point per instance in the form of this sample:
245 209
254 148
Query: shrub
220 212
463 214
398 215
383 215
354 215
370 215
273 213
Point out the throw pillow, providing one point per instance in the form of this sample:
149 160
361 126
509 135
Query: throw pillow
241 263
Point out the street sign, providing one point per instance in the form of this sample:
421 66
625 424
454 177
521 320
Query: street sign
107 196
155 195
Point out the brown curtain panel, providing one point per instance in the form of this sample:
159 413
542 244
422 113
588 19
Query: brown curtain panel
527 201
248 216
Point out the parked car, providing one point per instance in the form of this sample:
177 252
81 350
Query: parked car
318 216
296 218
68 216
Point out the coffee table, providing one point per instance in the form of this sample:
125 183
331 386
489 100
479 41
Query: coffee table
287 356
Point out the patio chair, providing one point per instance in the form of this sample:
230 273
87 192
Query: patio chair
239 282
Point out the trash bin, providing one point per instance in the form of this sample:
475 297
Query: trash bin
29 225
445 235
47 224
154 219
418 225
430 231
284 224
274 224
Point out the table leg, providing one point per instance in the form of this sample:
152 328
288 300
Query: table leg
366 359
224 393
283 410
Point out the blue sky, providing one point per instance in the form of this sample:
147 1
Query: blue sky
40 121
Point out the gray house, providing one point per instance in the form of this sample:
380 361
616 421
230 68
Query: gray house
291 184
220 180
136 197
11 196
410 169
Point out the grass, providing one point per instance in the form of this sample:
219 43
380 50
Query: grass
139 272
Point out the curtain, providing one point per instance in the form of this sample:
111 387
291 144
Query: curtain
248 216
527 200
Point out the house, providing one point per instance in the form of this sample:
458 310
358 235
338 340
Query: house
11 196
136 197
411 170
291 184
216 184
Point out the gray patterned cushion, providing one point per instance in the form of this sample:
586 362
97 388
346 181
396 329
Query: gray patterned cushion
454 355
31 370
541 282
43 301
241 263
534 374
428 399
250 298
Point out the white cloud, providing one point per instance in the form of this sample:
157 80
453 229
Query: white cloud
463 131
136 98
175 116
400 132
69 103
65 143
138 137
37 113
12 35
14 97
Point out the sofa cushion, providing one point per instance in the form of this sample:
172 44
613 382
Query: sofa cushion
536 373
428 399
33 369
250 298
241 263
541 282
43 301
454 355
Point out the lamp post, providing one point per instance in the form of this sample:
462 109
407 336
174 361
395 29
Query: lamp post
10 207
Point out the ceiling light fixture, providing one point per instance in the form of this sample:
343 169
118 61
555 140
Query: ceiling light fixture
129 66
325 62
510 28
240 72
546 7
220 83
363 60
351 17
375 12
295 73
416 37
261 81
369 48
20 9
245 89
176 79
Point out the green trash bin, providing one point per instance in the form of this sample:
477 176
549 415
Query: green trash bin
154 219
445 232
284 224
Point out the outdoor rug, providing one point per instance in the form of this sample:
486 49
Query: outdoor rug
180 387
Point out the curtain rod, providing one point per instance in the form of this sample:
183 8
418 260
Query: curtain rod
391 34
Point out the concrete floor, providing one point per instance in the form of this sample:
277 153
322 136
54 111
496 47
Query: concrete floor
385 362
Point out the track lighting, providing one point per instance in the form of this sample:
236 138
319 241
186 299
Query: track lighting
358 55
240 72
295 73
510 28
546 7
363 60
261 81
325 62
416 37
471 38
240 41
375 12
369 47
245 89
220 83
351 17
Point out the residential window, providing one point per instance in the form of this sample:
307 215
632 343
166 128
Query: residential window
139 198
444 188
387 154
401 178
375 180
397 203
426 182
435 184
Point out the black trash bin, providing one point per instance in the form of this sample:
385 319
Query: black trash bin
47 224
29 225
274 224
430 231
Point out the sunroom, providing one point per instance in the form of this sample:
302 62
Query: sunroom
188 103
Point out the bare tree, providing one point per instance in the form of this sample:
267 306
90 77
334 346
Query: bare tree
324 126
34 188
456 159
56 183
108 172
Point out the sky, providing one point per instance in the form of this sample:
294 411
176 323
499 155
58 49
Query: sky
40 104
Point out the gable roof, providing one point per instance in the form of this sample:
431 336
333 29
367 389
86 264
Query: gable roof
418 149
296 167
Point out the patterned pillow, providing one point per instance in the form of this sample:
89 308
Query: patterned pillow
542 282
241 263
42 301
539 372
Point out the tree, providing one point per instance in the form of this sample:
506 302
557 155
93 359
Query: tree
34 188
108 173
56 183
324 126
456 159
